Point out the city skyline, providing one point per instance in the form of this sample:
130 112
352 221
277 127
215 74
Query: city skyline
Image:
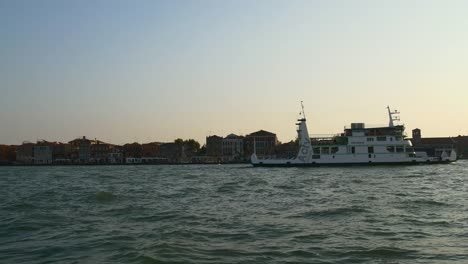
161 70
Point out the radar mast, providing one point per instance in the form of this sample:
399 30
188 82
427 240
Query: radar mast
303 112
392 116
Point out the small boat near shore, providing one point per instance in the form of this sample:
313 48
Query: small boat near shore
357 145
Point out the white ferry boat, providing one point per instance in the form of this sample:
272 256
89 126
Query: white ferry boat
357 145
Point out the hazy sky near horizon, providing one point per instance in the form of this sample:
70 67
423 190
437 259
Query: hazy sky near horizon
125 71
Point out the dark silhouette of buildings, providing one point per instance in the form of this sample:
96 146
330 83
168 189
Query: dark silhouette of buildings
287 150
232 148
462 146
7 154
25 153
432 146
214 146
263 142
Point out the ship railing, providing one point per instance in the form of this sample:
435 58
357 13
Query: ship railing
323 136
323 139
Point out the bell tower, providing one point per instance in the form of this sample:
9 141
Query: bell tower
417 135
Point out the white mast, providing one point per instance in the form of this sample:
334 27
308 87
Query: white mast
392 118
303 112
305 148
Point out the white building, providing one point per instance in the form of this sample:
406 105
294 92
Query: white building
42 155
115 157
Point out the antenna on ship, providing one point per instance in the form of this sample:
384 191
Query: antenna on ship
391 116
303 112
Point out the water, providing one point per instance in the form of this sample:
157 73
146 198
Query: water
234 214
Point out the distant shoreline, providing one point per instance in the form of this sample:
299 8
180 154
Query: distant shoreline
123 164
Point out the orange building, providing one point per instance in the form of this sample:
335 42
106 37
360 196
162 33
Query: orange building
7 154
152 149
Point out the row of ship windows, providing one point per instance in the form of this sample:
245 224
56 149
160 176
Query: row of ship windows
325 150
371 139
370 149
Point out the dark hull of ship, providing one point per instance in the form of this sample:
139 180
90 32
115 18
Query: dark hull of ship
406 163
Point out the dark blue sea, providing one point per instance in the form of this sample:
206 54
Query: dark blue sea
234 214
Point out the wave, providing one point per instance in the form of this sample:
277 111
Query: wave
103 196
229 187
332 212
426 202
21 205
438 223
381 252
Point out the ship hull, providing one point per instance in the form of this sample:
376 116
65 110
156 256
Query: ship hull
347 164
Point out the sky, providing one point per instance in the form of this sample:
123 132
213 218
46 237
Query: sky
144 71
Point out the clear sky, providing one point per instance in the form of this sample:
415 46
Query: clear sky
125 71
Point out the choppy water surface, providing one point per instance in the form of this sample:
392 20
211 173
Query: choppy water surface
234 214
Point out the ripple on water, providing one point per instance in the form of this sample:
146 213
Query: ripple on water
19 206
333 212
428 203
428 222
104 197
380 253
229 187
257 182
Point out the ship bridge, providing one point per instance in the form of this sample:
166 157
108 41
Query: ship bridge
359 129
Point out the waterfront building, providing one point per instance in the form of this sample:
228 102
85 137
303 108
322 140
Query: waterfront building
81 149
190 149
204 159
462 147
173 152
3 151
262 141
432 146
214 146
25 153
151 153
62 153
233 148
115 155
99 151
287 150
132 160
154 160
7 154
43 153
150 149
133 150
